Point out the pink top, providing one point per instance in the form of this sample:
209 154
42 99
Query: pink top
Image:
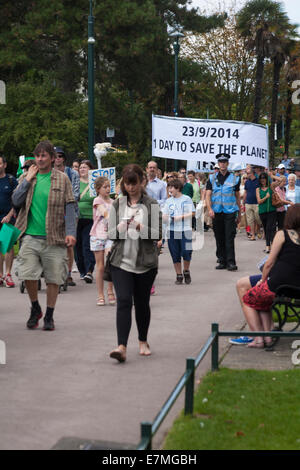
281 194
101 211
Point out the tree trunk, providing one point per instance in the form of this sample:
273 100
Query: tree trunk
258 87
276 75
288 119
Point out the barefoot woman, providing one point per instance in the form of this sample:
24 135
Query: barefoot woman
135 227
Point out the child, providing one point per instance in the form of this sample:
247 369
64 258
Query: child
99 242
178 211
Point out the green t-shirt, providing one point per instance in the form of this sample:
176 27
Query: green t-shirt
86 203
196 192
267 205
37 214
188 190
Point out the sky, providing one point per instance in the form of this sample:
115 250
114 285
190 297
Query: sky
291 7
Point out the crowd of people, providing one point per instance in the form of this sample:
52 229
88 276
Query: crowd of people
120 236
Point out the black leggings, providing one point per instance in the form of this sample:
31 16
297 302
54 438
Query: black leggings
129 287
268 219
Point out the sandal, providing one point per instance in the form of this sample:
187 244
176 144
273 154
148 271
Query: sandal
101 301
111 298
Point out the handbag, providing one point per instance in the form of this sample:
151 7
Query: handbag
276 200
106 273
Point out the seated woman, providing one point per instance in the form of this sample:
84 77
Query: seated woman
281 267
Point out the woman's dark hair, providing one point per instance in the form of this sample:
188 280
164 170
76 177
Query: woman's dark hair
86 162
263 176
292 218
131 174
176 183
44 146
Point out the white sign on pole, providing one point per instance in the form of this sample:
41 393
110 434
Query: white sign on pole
110 132
200 140
109 173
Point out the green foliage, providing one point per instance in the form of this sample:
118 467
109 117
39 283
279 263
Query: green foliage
43 60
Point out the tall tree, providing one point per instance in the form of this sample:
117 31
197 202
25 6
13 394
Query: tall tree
292 73
258 21
229 69
43 48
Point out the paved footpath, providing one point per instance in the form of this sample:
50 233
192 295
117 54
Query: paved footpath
60 388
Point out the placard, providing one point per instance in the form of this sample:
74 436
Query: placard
109 173
200 140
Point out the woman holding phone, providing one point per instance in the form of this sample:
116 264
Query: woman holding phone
135 226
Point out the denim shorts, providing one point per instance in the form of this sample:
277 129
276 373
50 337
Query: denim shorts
254 279
180 245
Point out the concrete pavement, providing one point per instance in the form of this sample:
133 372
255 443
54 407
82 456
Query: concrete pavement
62 384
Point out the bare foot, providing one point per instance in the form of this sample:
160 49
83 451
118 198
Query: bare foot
119 353
256 344
144 349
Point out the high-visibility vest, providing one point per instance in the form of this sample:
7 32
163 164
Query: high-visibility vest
223 195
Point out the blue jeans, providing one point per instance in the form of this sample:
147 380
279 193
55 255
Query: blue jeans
180 245
85 258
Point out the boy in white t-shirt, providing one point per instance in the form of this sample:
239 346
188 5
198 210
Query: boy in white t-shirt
177 213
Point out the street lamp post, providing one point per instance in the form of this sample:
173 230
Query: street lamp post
176 46
91 85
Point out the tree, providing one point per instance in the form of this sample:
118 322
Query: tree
258 21
227 70
292 73
43 60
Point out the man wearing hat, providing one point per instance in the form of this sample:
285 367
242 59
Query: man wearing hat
60 165
281 171
223 203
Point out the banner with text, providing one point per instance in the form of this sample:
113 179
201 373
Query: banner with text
200 140
109 173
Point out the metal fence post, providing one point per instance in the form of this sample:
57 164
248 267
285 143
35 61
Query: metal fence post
146 432
189 387
215 348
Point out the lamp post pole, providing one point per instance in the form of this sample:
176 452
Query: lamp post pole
176 46
91 85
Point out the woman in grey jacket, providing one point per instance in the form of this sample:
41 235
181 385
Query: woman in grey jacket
135 226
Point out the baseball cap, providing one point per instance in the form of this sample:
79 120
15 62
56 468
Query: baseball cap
281 166
59 150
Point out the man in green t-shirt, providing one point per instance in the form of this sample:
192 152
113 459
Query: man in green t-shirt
47 224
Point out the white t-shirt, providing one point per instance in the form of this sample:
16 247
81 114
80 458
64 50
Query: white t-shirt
131 244
290 195
179 206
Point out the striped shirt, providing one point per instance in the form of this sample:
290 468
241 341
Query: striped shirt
60 194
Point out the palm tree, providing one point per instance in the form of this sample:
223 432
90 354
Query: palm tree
292 73
281 46
258 22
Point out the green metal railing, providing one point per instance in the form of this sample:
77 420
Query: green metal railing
187 380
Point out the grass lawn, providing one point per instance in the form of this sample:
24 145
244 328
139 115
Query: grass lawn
242 410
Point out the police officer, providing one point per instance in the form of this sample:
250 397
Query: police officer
223 204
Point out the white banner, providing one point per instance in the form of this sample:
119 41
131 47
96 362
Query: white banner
109 173
200 140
